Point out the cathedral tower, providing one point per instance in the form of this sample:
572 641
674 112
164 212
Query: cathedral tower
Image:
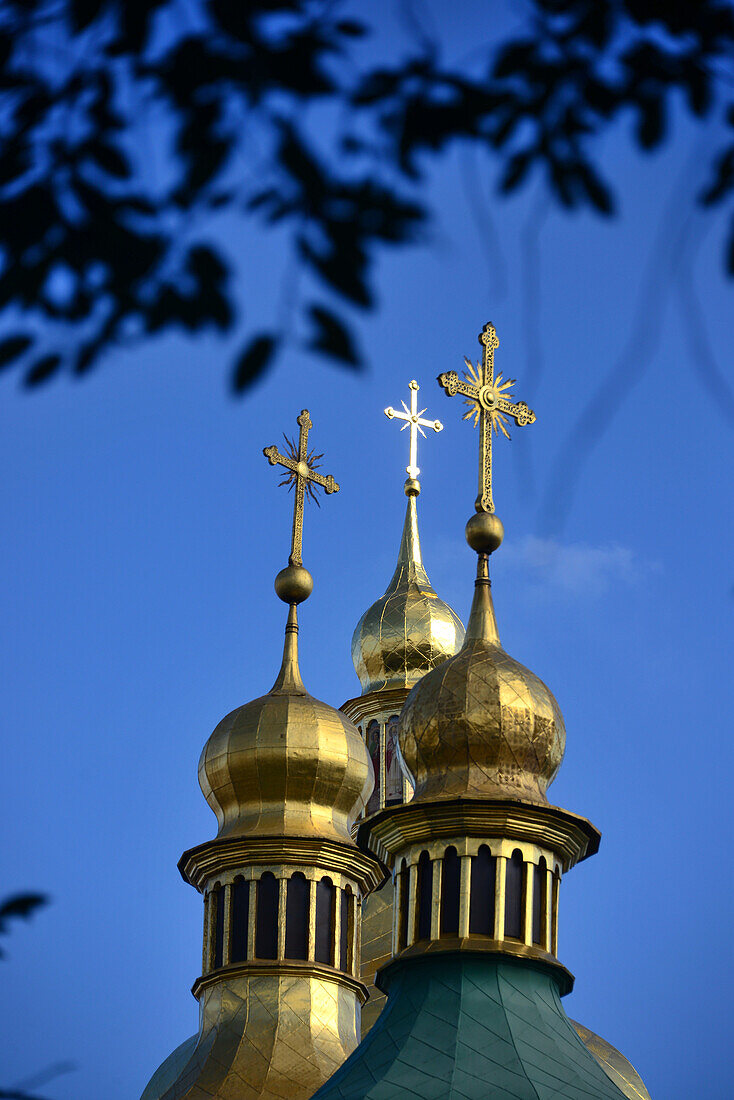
406 633
474 985
286 775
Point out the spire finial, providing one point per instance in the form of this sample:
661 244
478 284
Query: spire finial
413 420
490 404
294 583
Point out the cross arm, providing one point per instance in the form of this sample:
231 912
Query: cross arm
275 458
518 410
453 385
327 483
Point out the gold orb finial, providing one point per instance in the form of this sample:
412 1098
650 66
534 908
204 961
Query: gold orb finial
484 532
294 584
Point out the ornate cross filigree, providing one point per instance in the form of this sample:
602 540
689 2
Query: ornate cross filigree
301 466
413 420
490 404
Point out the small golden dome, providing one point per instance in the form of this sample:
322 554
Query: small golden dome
286 764
617 1068
482 725
409 630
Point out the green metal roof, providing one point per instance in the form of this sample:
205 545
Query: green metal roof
465 1027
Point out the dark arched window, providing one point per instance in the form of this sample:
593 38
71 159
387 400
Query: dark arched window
393 771
240 920
483 884
404 904
218 901
513 896
266 917
296 917
425 895
346 929
450 893
540 885
325 921
373 748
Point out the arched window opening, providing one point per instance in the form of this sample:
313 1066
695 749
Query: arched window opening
393 771
450 893
218 900
540 885
346 929
483 885
513 896
240 920
266 917
296 917
325 921
404 907
425 895
373 748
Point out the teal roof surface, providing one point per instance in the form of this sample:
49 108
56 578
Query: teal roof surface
468 1027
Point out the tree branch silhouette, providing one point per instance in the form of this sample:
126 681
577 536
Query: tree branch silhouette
99 246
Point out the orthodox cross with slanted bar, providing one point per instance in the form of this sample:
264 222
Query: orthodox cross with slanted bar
490 404
413 420
301 469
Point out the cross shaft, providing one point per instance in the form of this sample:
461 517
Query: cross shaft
490 404
301 466
413 420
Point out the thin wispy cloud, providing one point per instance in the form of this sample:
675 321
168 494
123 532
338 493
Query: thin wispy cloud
577 569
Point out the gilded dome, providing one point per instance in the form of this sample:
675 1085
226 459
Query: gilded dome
481 725
409 631
286 764
617 1068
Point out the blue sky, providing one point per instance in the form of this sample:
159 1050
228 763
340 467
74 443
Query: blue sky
143 529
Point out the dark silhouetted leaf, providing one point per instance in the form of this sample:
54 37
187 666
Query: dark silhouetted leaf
110 160
596 190
19 905
516 170
42 370
651 124
351 28
87 357
517 57
250 365
84 12
332 337
12 347
724 179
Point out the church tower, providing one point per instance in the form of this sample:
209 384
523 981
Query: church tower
474 984
283 881
406 633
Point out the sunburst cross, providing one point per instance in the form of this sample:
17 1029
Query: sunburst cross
300 473
489 404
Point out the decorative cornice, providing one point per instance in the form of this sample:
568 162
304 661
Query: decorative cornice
375 702
198 865
279 968
475 945
570 836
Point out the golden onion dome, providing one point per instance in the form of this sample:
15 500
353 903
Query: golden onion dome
617 1068
481 725
286 764
409 630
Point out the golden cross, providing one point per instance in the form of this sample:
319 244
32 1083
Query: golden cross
413 420
301 469
489 403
